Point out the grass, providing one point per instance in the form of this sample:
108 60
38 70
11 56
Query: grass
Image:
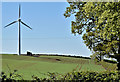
28 66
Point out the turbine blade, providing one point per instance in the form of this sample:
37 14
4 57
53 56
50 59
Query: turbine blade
19 10
10 24
26 25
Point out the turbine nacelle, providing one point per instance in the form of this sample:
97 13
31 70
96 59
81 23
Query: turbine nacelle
19 19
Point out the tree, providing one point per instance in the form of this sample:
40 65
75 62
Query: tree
99 22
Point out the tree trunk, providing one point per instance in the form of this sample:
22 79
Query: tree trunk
118 57
118 64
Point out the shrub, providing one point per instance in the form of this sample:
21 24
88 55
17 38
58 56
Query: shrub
12 76
113 76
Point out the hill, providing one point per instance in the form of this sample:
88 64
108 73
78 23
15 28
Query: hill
29 65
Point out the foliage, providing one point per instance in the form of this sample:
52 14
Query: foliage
77 76
88 76
100 23
11 77
93 76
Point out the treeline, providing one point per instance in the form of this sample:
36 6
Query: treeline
37 55
69 56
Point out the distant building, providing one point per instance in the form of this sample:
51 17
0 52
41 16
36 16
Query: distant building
29 53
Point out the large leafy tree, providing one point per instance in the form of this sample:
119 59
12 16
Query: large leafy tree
99 22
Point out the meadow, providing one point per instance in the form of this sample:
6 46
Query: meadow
40 66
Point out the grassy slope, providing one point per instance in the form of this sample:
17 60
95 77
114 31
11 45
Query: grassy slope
28 66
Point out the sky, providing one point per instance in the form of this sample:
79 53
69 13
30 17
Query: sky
50 34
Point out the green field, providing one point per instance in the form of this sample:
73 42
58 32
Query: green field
28 65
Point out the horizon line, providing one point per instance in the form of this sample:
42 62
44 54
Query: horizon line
49 54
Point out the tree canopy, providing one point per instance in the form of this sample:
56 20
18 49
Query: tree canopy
99 22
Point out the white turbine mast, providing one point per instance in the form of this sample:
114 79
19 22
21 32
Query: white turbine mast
19 29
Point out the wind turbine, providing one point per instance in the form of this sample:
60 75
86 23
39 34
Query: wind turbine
19 29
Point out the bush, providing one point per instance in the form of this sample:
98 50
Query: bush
12 76
113 76
93 76
86 76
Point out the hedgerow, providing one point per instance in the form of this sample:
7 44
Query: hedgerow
93 76
113 76
12 76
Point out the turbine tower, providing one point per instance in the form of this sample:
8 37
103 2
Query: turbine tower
19 29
